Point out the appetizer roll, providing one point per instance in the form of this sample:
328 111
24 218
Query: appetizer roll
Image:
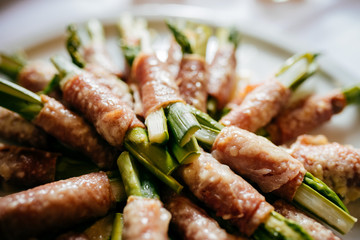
36 75
53 206
259 106
192 81
230 196
335 164
304 116
157 87
15 128
264 102
259 160
74 131
26 166
222 69
314 228
192 222
110 115
145 218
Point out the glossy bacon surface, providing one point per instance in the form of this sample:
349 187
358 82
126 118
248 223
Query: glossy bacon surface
15 128
193 223
230 196
258 107
145 218
111 117
192 81
74 131
313 227
335 164
26 166
157 87
259 160
56 205
222 75
304 116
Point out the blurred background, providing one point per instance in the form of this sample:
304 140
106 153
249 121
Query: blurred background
329 26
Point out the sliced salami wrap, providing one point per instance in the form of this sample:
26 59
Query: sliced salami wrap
335 164
13 127
111 117
256 158
193 81
258 107
313 227
26 167
193 223
145 218
72 130
61 204
304 116
36 75
158 89
230 196
222 75
110 81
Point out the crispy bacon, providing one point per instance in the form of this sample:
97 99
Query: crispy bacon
258 107
259 160
72 130
337 165
222 75
157 87
313 227
145 218
230 196
192 81
304 116
26 166
56 205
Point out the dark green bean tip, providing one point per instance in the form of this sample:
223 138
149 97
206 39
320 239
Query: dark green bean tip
52 85
73 45
234 37
64 66
277 227
352 94
324 190
130 52
11 65
180 37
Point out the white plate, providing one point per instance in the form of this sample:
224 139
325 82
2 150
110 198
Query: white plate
260 54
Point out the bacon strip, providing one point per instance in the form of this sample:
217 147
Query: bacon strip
258 107
193 223
111 117
158 89
36 75
26 166
56 205
192 81
174 58
145 218
335 164
15 128
230 196
110 81
259 160
96 54
305 116
72 130
313 227
222 75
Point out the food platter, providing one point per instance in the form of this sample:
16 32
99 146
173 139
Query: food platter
259 55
